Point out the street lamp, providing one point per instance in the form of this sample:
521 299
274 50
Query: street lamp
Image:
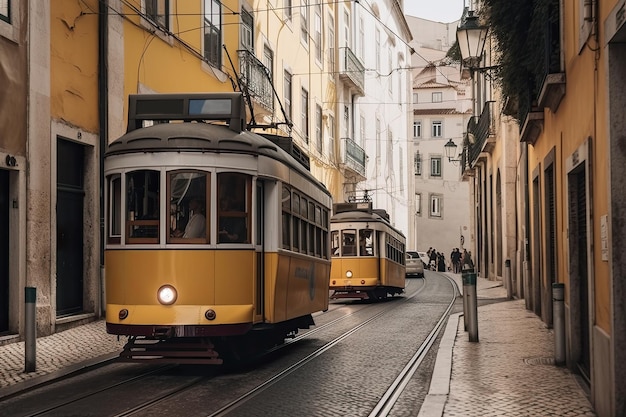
450 150
471 36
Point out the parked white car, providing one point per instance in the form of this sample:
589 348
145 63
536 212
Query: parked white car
414 265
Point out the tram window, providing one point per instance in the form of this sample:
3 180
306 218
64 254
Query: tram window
311 238
114 209
296 221
234 191
318 242
334 243
348 245
286 203
366 242
142 206
187 197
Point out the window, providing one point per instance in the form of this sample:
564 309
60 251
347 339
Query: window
362 131
287 9
437 97
377 49
247 30
331 137
418 163
437 129
268 61
142 206
308 222
331 46
318 33
361 38
5 10
418 204
417 129
378 140
156 10
234 196
390 64
114 209
366 242
305 115
187 201
435 205
287 95
304 21
318 127
213 32
435 167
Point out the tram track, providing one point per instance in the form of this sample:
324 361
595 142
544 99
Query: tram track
177 389
387 401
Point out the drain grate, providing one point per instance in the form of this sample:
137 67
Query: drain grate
539 361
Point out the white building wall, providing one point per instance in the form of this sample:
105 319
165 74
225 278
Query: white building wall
440 96
385 108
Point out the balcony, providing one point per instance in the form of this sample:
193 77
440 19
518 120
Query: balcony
352 156
481 134
256 78
532 126
351 70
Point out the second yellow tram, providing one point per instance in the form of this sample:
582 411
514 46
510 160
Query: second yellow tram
368 253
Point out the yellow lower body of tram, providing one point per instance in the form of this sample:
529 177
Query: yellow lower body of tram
366 277
218 294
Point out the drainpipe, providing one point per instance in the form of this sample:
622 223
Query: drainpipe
103 105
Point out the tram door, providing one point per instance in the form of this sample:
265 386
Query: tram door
69 211
4 251
259 243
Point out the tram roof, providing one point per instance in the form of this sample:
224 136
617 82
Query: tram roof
201 137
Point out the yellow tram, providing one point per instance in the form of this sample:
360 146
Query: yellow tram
216 237
368 253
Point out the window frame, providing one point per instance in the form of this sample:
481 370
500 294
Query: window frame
436 167
212 53
160 20
6 17
436 129
436 206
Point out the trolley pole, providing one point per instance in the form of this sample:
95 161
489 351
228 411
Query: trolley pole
558 319
30 334
469 298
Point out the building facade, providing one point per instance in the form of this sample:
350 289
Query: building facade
548 193
442 106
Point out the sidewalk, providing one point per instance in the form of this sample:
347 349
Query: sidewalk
509 372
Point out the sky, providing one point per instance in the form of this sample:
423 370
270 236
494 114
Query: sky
445 11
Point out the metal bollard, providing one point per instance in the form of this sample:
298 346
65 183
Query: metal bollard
469 295
465 315
507 279
30 331
558 320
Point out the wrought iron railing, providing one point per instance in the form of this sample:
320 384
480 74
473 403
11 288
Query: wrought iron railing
479 130
351 68
353 155
257 78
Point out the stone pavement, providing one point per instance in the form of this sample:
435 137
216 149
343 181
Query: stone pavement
509 372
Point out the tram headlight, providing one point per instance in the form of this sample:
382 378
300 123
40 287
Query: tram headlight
167 295
348 274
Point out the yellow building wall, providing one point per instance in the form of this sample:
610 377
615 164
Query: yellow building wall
166 65
74 63
581 115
